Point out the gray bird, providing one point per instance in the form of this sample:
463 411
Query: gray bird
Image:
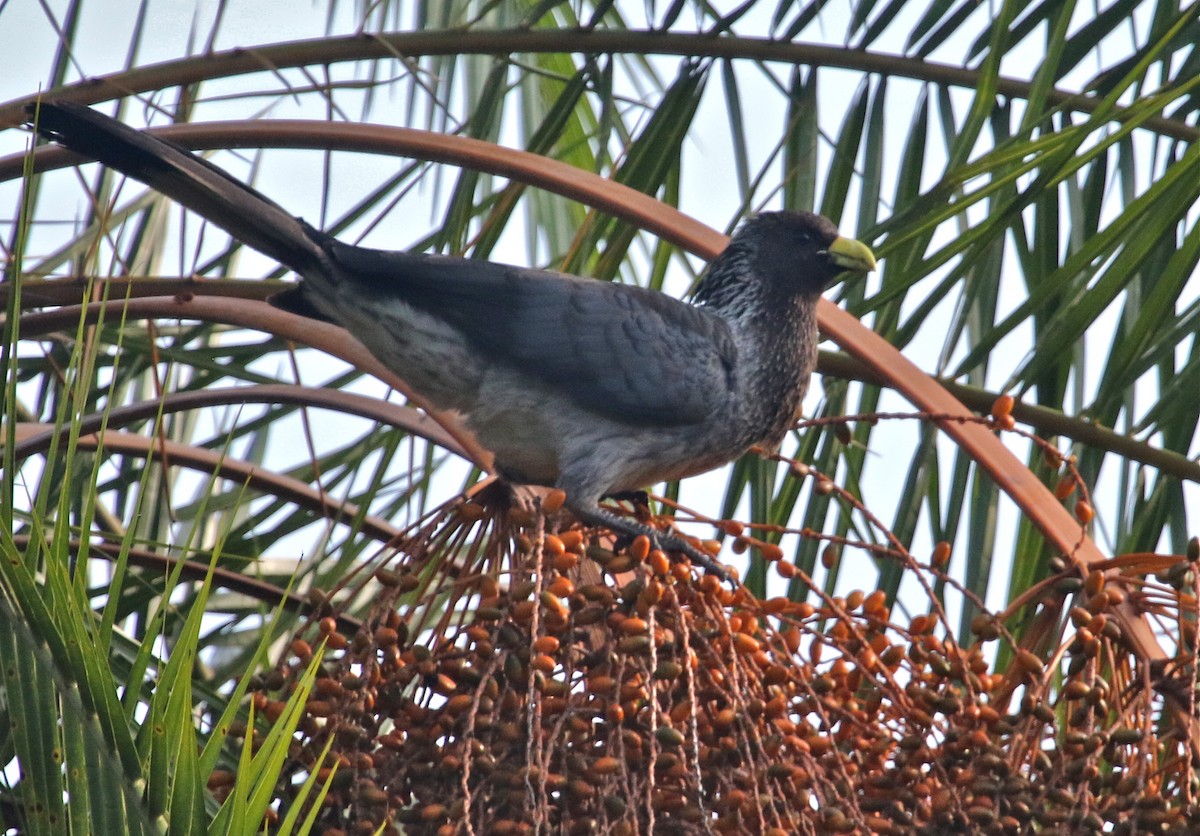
592 387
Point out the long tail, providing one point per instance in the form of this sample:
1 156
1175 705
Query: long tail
241 211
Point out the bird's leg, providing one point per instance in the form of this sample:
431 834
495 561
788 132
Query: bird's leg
636 497
593 515
640 500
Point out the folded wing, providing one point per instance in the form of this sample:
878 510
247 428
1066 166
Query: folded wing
581 336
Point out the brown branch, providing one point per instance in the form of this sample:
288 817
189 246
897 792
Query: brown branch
260 316
194 570
251 474
324 51
69 290
348 403
1046 421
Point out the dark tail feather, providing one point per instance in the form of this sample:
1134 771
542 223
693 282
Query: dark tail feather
294 300
176 172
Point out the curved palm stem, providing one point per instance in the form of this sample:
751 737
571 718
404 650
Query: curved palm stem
209 461
324 51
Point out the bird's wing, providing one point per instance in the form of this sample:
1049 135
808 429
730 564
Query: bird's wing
624 352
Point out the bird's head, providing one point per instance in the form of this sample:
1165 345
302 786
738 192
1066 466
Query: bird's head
782 253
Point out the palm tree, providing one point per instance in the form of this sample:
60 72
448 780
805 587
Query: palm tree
246 581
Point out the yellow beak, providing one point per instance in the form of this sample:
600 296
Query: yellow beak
850 254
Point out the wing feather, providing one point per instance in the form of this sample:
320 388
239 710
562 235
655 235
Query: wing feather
624 352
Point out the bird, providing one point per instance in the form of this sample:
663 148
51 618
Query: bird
595 388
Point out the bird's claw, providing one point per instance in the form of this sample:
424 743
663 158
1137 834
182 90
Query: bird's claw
674 543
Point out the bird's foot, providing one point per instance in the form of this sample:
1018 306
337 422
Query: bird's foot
674 543
640 500
666 541
636 497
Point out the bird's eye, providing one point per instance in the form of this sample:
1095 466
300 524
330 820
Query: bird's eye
803 238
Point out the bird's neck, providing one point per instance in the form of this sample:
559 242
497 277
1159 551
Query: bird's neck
781 337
